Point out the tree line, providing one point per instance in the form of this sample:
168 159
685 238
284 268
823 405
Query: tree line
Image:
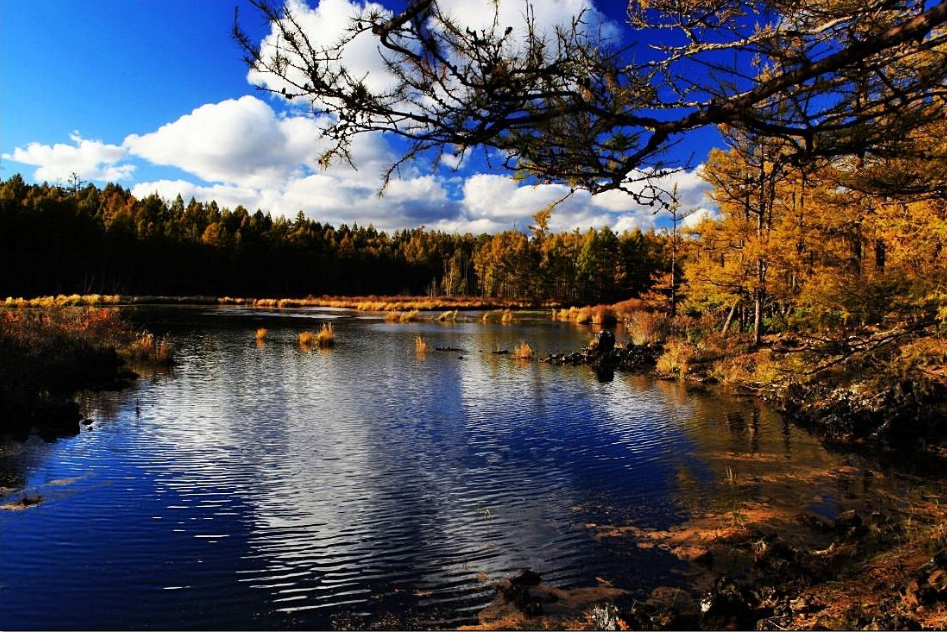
86 239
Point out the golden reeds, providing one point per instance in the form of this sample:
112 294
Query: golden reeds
306 340
326 336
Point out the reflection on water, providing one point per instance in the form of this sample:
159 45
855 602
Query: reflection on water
259 485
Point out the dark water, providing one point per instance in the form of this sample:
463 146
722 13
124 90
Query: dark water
264 486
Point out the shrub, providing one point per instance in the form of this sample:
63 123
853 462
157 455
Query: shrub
677 357
646 327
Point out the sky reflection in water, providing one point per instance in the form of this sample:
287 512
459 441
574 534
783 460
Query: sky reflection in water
264 486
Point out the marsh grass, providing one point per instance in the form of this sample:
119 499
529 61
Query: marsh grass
47 355
523 351
448 316
733 487
420 346
646 327
148 348
402 317
307 340
326 336
506 317
261 334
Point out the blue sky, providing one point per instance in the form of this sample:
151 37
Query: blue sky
154 95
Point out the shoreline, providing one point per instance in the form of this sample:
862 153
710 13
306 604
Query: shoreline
769 570
360 303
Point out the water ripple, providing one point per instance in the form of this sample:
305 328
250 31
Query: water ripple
273 487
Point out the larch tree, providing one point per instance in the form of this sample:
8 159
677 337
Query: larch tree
583 107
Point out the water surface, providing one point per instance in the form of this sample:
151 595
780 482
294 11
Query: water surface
264 486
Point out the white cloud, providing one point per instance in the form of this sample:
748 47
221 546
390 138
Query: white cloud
226 195
698 216
237 140
546 16
499 202
324 25
89 159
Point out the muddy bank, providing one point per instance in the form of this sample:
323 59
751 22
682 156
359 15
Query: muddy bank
763 567
38 392
48 356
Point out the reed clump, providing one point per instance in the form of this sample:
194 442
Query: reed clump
261 334
149 348
448 316
307 340
420 345
326 336
523 351
402 317
507 316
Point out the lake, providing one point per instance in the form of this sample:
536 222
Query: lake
265 486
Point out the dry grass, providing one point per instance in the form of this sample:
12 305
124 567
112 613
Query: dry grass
595 315
63 300
523 351
326 336
506 317
677 358
402 317
261 334
148 347
646 327
448 316
362 303
307 340
420 345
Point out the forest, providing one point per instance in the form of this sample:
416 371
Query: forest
56 240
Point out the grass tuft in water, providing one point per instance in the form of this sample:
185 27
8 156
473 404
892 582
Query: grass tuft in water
326 336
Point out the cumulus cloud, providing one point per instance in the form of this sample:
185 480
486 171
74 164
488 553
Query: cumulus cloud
228 196
497 202
89 159
698 216
546 16
324 25
237 140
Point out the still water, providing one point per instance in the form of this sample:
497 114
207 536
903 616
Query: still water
262 486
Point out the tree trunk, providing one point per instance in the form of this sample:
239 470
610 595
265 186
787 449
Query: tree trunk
729 321
757 317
